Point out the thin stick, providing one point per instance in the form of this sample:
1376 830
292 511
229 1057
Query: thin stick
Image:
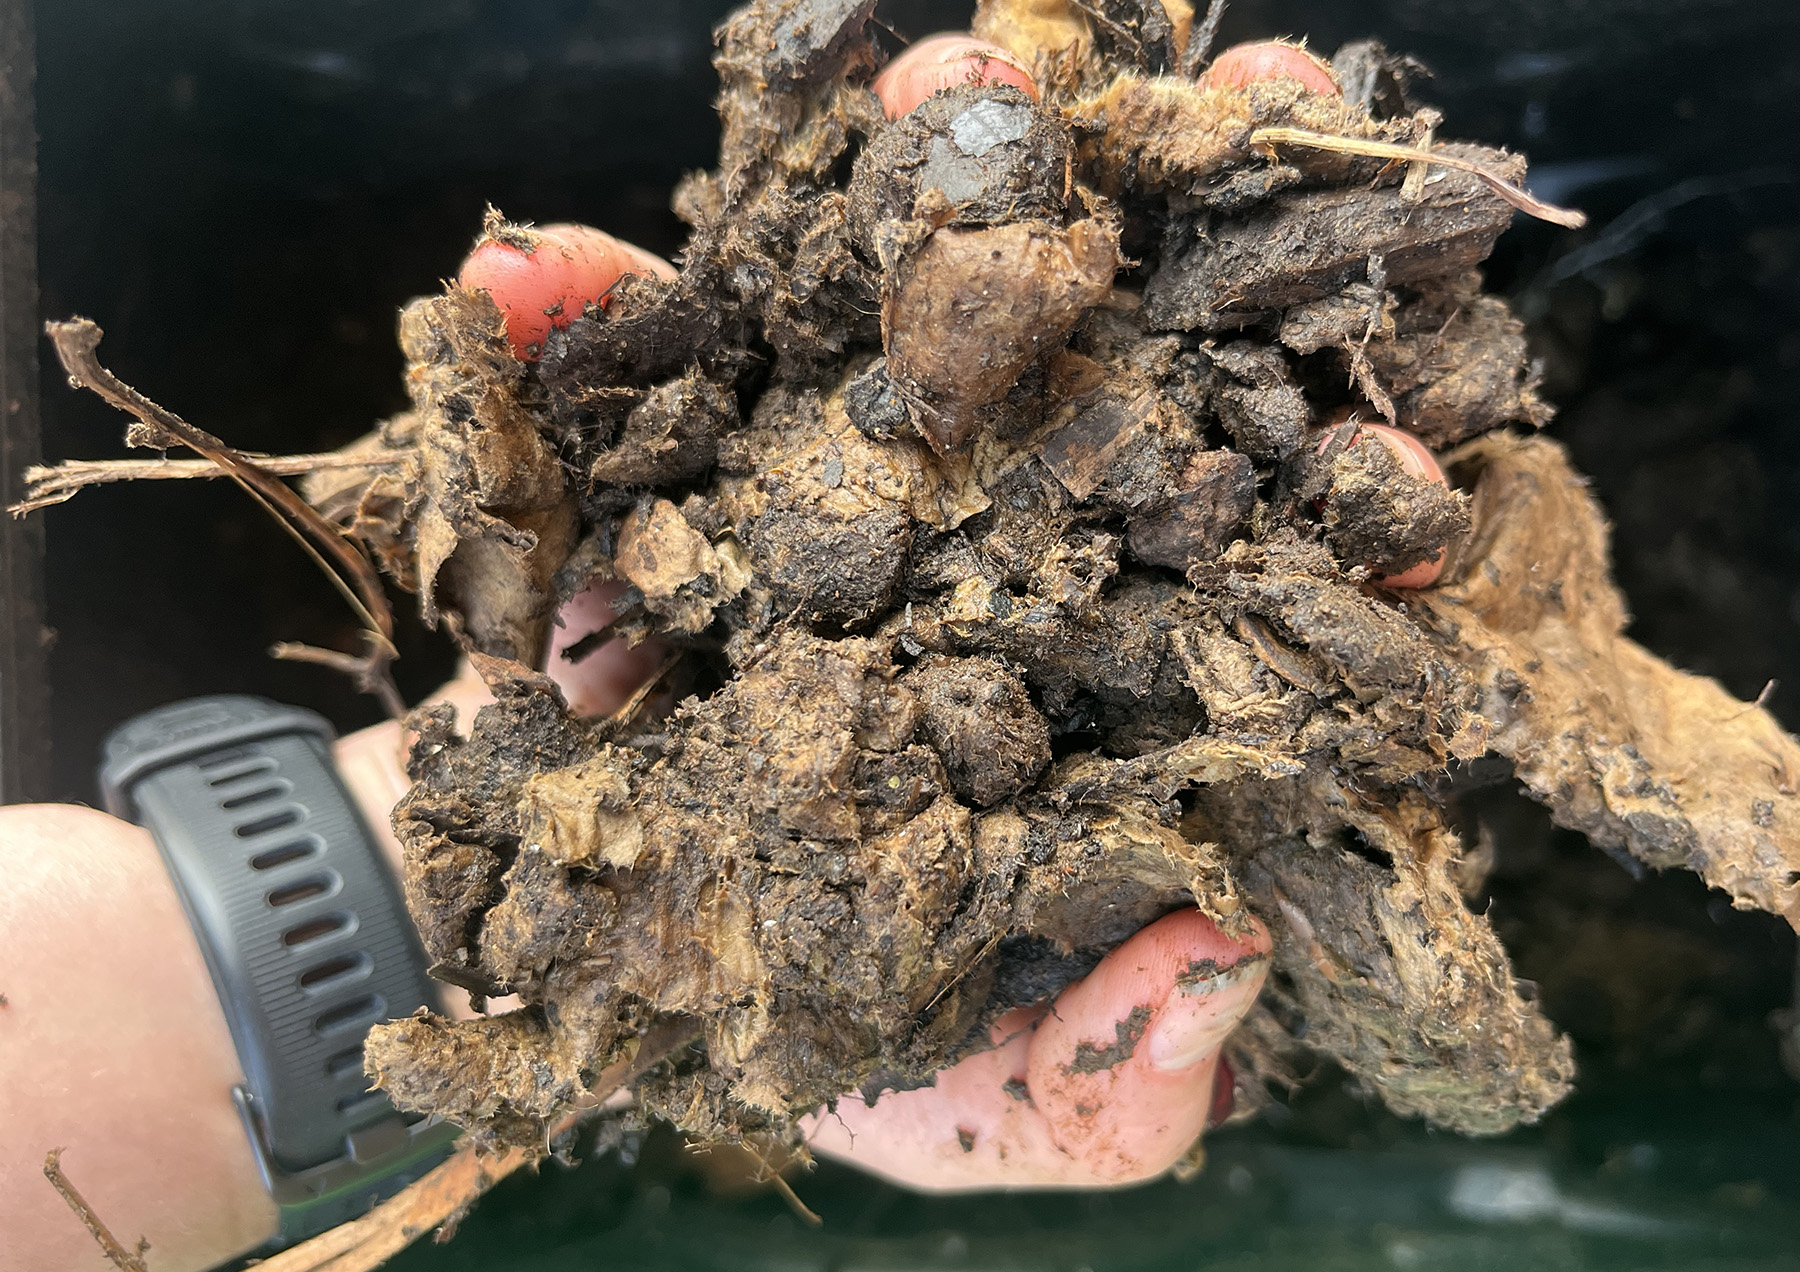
1412 189
446 1194
1520 199
351 665
1362 375
806 1213
1199 47
53 484
628 710
77 342
121 1258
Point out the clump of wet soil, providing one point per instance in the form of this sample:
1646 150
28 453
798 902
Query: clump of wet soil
977 471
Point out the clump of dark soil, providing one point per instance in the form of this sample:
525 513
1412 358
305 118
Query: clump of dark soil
979 470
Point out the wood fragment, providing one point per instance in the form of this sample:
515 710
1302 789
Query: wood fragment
1199 47
1520 199
116 1253
48 484
77 343
1412 189
1362 374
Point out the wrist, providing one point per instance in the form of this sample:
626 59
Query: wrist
115 1048
303 931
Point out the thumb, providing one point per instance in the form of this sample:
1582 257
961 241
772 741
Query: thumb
1109 1086
1122 1068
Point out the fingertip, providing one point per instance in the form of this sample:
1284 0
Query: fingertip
603 680
541 278
943 61
1176 948
1246 64
1124 1067
610 253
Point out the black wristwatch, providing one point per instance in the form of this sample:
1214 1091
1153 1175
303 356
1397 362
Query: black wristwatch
304 932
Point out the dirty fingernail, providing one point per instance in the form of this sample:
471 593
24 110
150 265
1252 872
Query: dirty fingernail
1203 1011
945 61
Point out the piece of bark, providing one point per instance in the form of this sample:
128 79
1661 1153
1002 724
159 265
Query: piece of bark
671 436
979 718
1257 400
1306 246
1173 136
1356 314
1381 959
1379 514
1465 373
682 577
988 151
966 312
1219 489
493 513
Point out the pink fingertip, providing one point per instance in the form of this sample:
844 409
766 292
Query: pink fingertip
605 678
945 61
1424 574
1194 978
1420 462
544 278
1123 1068
1245 64
1203 1010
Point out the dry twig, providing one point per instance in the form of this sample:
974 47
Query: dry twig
1520 199
53 484
120 1257
77 342
1199 47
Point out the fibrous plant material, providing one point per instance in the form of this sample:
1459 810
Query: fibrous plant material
985 469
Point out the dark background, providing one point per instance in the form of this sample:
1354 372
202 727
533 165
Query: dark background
243 194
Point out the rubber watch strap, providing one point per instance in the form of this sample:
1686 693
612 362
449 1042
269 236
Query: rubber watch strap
303 930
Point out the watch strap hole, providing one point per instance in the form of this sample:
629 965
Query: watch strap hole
358 1011
295 850
261 795
345 1063
319 885
314 930
329 975
263 825
229 757
242 765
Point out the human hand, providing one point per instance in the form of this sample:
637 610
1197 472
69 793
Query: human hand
115 1046
1111 1084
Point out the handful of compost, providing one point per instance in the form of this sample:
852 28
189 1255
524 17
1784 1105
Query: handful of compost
1035 491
